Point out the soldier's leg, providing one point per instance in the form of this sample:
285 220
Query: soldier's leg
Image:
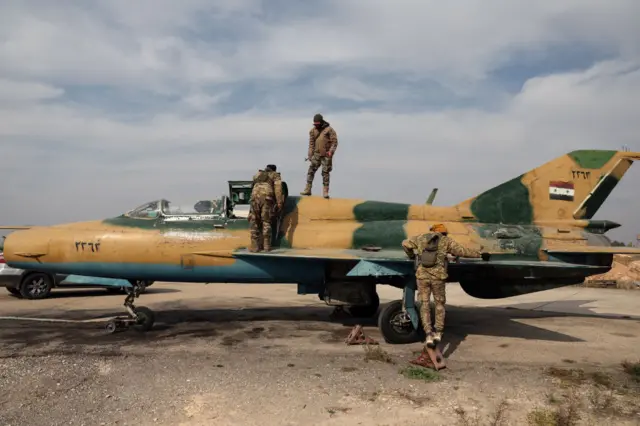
327 167
255 231
267 211
313 168
424 294
440 297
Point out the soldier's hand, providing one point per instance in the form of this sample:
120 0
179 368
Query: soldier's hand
486 256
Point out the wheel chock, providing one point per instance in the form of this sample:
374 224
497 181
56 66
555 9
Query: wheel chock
436 358
357 337
433 359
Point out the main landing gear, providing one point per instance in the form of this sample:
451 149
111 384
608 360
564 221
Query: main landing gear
140 318
399 322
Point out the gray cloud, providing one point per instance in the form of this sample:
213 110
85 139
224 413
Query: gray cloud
102 109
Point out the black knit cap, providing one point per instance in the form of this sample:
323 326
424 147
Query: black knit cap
271 167
318 118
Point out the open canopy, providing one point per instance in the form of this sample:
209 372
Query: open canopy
235 205
164 207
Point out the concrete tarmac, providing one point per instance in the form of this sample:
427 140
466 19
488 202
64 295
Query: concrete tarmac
261 354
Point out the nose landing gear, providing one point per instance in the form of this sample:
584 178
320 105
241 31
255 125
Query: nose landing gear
140 318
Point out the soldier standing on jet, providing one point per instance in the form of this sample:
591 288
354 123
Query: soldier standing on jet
323 142
431 277
267 185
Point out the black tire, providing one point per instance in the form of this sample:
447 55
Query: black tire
36 285
366 311
13 291
146 318
393 334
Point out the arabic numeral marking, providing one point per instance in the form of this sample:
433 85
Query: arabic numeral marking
580 174
95 247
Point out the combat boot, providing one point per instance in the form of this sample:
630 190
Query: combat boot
307 190
325 191
430 341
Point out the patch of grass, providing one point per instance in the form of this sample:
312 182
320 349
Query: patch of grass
497 418
566 414
376 353
602 379
420 373
602 402
632 369
568 376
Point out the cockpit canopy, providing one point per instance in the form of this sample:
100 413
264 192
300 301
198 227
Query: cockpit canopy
208 208
234 206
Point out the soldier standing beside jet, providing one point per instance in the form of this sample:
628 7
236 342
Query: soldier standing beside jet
323 142
267 183
430 250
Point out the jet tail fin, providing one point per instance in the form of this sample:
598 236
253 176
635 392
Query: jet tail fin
571 187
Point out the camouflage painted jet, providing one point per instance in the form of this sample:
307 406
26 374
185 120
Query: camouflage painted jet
538 226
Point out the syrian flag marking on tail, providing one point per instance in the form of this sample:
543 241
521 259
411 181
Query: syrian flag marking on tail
559 190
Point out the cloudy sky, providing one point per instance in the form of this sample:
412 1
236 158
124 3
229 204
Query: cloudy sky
107 104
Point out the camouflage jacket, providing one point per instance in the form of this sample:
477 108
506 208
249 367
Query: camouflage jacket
447 245
267 184
322 141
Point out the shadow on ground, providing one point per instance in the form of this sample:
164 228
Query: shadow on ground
69 292
176 324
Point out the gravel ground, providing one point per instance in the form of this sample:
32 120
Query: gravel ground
267 364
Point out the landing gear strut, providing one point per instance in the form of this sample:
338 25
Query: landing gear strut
140 318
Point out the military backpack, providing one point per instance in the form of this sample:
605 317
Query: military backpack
429 256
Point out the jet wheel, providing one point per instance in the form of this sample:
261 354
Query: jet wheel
145 319
396 327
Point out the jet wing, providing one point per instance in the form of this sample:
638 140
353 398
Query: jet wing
595 250
390 262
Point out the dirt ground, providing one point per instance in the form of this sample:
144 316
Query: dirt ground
262 355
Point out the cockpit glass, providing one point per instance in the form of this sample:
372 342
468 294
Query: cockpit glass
190 208
145 211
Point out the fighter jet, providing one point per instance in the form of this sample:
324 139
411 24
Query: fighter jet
538 228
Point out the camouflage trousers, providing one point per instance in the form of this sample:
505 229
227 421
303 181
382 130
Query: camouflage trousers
425 289
317 161
262 208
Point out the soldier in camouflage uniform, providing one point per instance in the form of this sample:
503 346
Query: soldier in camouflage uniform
433 280
266 194
323 142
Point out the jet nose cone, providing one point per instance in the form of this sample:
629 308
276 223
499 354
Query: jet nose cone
22 246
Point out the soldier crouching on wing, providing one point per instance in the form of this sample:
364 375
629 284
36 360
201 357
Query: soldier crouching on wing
430 252
266 193
323 142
